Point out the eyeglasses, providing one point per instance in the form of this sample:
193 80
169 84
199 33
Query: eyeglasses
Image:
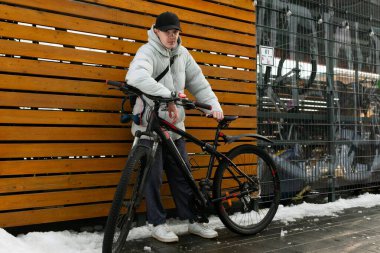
171 33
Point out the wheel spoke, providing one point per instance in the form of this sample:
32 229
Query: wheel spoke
249 204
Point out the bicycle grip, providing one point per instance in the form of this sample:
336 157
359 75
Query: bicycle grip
202 105
115 83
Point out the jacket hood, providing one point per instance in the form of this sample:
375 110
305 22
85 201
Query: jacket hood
154 41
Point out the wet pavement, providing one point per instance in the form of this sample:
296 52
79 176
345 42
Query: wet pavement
355 230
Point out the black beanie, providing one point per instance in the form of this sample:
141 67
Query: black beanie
166 21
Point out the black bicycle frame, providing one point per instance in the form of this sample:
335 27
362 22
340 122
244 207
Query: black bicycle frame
155 125
161 127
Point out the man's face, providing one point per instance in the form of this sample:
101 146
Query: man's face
168 38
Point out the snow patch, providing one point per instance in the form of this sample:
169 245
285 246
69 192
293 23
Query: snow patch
86 242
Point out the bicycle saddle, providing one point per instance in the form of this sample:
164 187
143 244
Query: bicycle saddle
228 119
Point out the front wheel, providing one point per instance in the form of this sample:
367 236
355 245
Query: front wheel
126 201
246 204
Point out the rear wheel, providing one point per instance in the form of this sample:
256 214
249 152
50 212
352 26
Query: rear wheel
125 202
247 205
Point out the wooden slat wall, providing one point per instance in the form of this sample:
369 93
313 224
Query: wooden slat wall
61 143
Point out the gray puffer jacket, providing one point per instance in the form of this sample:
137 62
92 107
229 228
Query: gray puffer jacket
150 61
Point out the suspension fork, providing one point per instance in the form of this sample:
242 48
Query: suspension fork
146 170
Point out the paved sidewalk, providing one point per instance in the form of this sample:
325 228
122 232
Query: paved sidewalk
356 230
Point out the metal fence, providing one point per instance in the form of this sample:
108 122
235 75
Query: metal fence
320 99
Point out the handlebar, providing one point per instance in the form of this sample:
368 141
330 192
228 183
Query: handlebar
202 105
128 89
125 88
114 83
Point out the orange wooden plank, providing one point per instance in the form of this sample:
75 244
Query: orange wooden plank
233 86
228 73
55 166
51 199
223 60
89 118
192 16
32 83
242 99
233 98
23 150
14 116
32 133
46 215
201 122
114 45
10 150
43 183
9 47
30 167
70 23
22 66
19 82
193 148
79 71
67 38
218 46
210 134
212 8
58 101
244 4
246 111
92 103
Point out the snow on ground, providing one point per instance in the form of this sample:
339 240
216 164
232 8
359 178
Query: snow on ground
291 213
85 242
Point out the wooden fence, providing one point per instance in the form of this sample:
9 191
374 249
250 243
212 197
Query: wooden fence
61 143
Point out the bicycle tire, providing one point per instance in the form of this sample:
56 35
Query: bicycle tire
250 208
122 212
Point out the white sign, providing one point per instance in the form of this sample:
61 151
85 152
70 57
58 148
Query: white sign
266 56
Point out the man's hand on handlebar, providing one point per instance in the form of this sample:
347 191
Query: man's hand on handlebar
217 115
173 112
175 97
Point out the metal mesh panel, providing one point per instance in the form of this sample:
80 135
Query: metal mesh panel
320 100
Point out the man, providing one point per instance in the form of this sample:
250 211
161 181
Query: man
162 50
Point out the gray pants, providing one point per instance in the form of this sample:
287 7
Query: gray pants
179 187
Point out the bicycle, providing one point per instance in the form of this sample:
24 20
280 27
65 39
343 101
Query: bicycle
244 191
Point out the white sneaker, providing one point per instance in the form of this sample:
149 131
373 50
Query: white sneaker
164 234
202 230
